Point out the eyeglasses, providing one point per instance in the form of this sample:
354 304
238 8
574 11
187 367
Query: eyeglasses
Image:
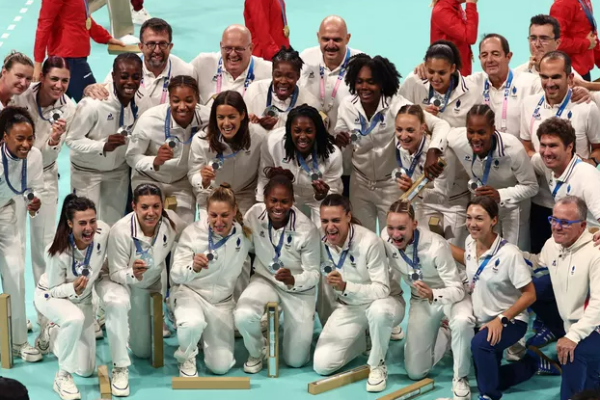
542 39
152 45
562 223
229 49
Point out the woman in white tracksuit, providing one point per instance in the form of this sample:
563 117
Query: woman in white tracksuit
424 261
15 77
52 111
64 294
137 248
449 189
98 168
270 100
305 148
20 176
354 263
227 151
286 245
500 168
208 260
150 154
366 119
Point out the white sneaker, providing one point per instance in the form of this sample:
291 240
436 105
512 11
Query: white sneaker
166 331
29 326
461 388
65 387
42 343
98 330
397 333
377 379
188 368
26 352
139 17
120 382
255 364
516 351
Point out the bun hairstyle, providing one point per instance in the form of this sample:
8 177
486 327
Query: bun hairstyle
337 200
278 177
225 194
71 205
11 116
150 189
13 58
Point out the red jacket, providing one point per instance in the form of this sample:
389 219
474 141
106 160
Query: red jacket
448 23
61 30
574 28
264 19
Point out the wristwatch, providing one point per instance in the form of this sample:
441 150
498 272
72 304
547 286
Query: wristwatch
503 319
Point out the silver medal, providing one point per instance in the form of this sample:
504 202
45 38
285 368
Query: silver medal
211 256
125 130
355 137
474 184
417 275
398 172
326 268
55 115
275 266
28 196
315 176
216 164
271 111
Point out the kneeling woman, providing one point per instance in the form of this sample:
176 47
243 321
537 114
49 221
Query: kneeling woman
286 244
354 262
138 246
306 148
502 289
208 261
64 292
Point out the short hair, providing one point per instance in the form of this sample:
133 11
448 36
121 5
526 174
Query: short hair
559 55
558 127
125 58
487 203
184 81
383 70
582 209
11 389
503 41
543 19
157 25
445 50
288 54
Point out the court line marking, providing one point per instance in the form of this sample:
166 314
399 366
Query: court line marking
18 18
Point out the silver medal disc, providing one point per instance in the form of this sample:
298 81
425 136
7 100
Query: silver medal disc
415 276
28 196
474 184
55 115
275 266
271 111
398 172
216 164
326 269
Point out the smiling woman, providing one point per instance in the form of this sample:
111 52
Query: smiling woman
15 77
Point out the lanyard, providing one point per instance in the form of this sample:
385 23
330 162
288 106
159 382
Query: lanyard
344 254
222 158
446 96
415 161
587 9
485 263
340 78
88 255
364 130
292 103
283 16
561 109
559 183
168 128
249 77
486 96
279 245
314 162
165 88
87 9
212 247
488 163
414 263
136 241
23 172
134 110
39 108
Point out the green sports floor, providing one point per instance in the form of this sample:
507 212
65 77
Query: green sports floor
398 29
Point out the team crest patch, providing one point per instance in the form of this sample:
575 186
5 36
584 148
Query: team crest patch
311 75
495 267
110 117
262 234
496 163
238 244
514 91
352 262
457 106
468 158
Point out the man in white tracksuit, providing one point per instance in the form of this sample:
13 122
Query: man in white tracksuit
425 263
234 68
98 168
149 134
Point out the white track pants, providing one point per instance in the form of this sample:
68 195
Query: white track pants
372 200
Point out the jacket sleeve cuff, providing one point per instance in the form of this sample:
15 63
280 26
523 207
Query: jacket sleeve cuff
573 337
146 164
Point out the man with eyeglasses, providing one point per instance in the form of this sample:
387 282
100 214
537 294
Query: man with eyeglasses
234 68
568 300
159 66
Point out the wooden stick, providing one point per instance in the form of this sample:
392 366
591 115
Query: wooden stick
420 184
171 203
116 49
272 311
410 392
6 355
211 383
104 382
436 226
339 380
158 350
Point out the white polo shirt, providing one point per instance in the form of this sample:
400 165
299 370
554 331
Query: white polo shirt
459 102
316 75
578 179
499 284
154 89
206 72
437 266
